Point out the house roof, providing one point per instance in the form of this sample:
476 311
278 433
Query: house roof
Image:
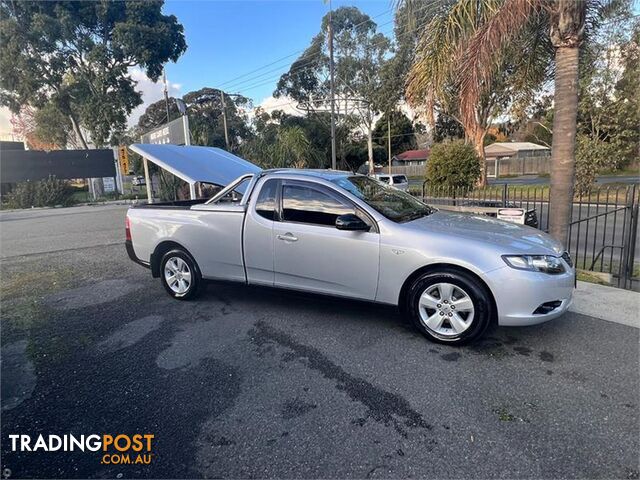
413 155
512 147
197 164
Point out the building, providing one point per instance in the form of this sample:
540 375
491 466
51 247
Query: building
517 158
410 158
515 149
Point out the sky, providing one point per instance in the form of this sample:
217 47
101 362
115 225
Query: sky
229 39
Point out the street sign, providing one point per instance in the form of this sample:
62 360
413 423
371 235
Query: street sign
109 184
123 159
169 133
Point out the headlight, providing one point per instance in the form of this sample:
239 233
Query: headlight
535 263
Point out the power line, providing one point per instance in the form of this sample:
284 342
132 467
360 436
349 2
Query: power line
310 61
294 53
384 137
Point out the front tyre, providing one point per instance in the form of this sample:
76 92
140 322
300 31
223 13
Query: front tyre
449 307
180 275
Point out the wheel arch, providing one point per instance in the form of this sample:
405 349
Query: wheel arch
439 267
162 248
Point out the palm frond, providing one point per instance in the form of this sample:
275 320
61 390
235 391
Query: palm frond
441 47
485 50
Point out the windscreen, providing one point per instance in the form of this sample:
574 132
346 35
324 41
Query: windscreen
390 202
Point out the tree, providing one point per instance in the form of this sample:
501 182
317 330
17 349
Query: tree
360 53
435 81
563 23
447 128
402 133
317 128
453 164
205 117
535 123
25 124
410 18
74 56
44 129
204 108
609 109
156 114
496 133
279 146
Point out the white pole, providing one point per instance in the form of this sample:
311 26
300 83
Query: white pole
389 139
147 180
224 121
92 191
119 182
192 191
185 125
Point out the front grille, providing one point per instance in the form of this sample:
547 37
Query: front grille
567 258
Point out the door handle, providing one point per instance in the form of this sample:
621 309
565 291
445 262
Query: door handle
288 237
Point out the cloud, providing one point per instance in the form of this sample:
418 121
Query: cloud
151 92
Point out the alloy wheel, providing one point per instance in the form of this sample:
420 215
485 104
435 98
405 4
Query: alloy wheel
177 274
446 309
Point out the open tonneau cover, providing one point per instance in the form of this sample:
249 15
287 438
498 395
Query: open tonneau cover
197 164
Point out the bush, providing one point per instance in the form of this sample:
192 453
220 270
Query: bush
453 164
593 156
43 193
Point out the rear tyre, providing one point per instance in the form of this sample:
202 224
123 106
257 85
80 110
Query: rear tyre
180 275
449 307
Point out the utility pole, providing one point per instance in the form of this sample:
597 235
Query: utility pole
389 139
224 120
333 107
166 93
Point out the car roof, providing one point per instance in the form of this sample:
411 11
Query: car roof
325 174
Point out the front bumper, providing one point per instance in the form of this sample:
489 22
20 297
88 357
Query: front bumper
519 294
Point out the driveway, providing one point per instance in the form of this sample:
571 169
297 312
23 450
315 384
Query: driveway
249 382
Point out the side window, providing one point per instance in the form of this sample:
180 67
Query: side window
308 205
266 202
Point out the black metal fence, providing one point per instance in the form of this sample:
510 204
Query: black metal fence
603 233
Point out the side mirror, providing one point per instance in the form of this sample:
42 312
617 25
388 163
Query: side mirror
350 221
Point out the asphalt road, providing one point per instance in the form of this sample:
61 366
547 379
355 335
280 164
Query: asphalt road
249 382
535 180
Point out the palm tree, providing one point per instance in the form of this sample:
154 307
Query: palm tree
566 25
435 80
284 147
562 24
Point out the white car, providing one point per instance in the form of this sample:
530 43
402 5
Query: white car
397 181
336 233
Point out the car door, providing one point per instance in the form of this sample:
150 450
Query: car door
312 254
258 236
